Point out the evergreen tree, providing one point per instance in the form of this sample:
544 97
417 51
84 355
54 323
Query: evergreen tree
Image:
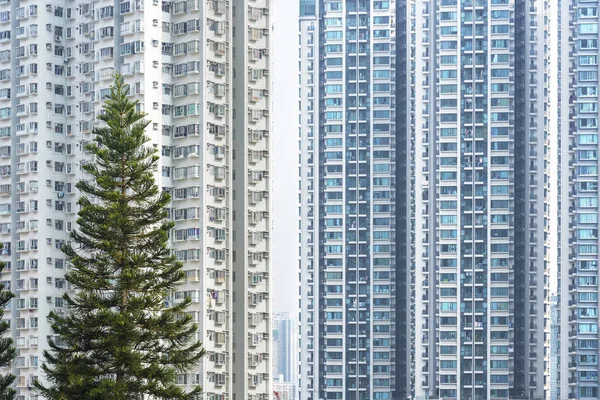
118 341
7 350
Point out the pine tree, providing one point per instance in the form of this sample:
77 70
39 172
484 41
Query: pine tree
118 341
7 350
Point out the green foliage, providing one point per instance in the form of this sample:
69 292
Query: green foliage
118 341
7 350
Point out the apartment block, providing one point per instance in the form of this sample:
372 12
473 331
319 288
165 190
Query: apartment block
348 345
424 199
209 109
574 346
285 348
479 217
285 356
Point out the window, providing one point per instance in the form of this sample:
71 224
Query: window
381 5
448 60
448 89
449 30
448 74
587 154
588 328
588 123
499 292
503 29
588 202
587 249
448 306
381 87
381 74
587 91
588 28
588 60
499 379
500 44
587 170
588 11
588 76
448 16
499 349
448 219
500 14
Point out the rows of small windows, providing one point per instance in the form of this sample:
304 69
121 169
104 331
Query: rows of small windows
184 6
351 35
587 160
339 5
338 21
587 164
467 15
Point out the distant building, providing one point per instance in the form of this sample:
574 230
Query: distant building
285 348
283 390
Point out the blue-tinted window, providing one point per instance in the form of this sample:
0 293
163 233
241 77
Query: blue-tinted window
308 7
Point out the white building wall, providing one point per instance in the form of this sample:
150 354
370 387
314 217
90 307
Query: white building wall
178 59
308 370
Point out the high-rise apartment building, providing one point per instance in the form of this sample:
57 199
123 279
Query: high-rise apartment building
479 217
575 35
424 134
285 356
347 195
285 348
209 110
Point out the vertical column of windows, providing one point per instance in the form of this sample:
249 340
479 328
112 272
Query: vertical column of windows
331 145
42 81
357 79
583 204
448 176
309 218
258 181
474 203
381 174
501 170
421 25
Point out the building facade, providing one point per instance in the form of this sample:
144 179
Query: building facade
347 199
285 348
576 343
283 390
479 217
209 124
456 93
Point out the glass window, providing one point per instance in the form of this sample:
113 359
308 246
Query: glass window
588 28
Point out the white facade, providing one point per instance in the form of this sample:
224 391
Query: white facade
213 131
284 391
